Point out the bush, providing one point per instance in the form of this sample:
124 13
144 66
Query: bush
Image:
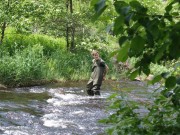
162 117
14 41
23 66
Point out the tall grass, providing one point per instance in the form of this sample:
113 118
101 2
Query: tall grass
31 64
70 66
23 66
27 58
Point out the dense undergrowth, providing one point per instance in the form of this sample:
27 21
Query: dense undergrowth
30 58
34 58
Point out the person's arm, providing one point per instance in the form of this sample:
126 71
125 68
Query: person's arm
105 71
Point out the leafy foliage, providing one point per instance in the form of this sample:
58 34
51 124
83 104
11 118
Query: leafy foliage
35 58
27 24
152 37
161 117
16 42
23 67
24 15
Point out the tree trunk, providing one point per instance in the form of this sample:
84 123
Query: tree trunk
70 30
72 27
67 36
72 38
67 26
71 7
3 28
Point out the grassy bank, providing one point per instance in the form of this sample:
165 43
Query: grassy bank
35 59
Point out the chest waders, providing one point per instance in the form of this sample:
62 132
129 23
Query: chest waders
95 81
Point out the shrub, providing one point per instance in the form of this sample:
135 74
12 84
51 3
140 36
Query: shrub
23 66
14 41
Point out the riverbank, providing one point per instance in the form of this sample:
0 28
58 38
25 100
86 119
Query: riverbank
52 82
30 84
56 81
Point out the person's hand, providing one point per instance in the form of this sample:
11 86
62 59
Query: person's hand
104 78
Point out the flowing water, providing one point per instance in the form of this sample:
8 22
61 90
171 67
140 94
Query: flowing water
60 109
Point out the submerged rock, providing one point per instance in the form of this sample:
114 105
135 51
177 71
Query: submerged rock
2 87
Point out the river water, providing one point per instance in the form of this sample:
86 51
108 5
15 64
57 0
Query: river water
60 109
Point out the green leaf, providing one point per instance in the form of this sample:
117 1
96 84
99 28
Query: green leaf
93 2
170 82
137 64
122 40
156 79
122 54
169 7
110 131
176 97
112 96
99 5
146 69
165 92
137 46
169 17
150 38
134 74
177 90
118 25
160 52
128 18
144 21
165 74
113 53
175 13
130 32
97 14
136 5
155 31
125 10
178 81
174 48
103 121
119 5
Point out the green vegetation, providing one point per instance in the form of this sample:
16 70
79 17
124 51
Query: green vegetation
34 58
148 32
41 42
50 40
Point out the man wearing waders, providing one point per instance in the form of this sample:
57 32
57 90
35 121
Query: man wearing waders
99 70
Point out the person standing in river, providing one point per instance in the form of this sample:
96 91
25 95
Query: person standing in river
99 71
